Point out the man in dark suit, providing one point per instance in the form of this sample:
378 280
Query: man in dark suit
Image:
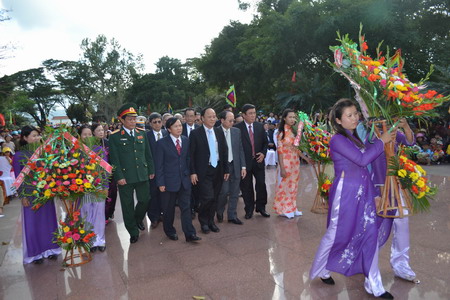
189 125
132 159
153 135
173 180
270 138
255 142
209 167
236 162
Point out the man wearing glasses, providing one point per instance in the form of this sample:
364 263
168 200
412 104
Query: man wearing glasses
153 135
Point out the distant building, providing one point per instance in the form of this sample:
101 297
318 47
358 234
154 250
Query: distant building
58 120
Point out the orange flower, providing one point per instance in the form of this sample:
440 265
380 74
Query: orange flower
364 46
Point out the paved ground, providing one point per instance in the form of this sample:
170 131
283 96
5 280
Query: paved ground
263 259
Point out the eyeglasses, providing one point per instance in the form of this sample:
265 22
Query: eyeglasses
156 122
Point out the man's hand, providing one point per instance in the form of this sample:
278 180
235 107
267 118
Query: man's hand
194 179
162 189
151 176
226 176
259 157
25 202
121 182
243 173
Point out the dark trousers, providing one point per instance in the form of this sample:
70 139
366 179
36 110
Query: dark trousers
132 215
168 200
154 208
247 188
208 192
110 204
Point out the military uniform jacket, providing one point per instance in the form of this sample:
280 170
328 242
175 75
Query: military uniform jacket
130 156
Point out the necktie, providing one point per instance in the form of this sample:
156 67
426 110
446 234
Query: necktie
189 130
230 150
212 149
131 133
159 136
252 139
178 146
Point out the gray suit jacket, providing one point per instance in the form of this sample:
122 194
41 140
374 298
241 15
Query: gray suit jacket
238 151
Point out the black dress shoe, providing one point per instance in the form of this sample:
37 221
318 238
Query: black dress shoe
38 261
173 237
263 213
214 228
386 295
102 248
220 218
134 239
248 216
141 226
154 224
53 257
93 249
193 238
328 280
205 229
235 221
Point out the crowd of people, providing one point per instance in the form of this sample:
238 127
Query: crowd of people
202 162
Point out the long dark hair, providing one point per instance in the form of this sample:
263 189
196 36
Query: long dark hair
336 113
283 122
25 132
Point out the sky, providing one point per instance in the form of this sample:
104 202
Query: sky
44 29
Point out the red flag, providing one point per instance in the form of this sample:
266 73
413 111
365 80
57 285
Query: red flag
2 120
294 77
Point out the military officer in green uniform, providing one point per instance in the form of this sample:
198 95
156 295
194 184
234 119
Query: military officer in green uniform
133 167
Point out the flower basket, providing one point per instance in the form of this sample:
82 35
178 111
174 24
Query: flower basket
320 205
314 141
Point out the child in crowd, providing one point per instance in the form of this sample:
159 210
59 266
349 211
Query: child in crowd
425 155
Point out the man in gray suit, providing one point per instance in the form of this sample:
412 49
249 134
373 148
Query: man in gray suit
236 163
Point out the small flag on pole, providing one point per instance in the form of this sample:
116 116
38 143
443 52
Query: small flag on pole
231 96
294 77
169 108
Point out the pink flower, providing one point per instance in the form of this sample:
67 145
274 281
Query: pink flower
58 182
76 236
383 82
67 182
68 234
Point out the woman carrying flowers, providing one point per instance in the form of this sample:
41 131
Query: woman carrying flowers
349 245
37 226
92 207
285 203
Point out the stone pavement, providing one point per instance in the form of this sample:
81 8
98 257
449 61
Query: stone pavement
262 259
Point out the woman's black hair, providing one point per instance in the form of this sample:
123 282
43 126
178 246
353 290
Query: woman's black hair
283 122
93 127
80 130
25 132
171 121
336 113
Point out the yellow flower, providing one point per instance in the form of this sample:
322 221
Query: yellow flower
327 181
403 158
402 173
62 151
76 155
66 229
54 175
90 178
323 155
35 192
41 184
52 184
420 183
87 185
77 171
65 177
82 231
414 176
421 194
90 167
427 189
79 181
47 193
42 175
69 240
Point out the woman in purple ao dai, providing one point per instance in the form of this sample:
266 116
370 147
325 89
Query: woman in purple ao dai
349 245
37 226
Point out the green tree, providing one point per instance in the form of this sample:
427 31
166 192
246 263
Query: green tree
35 94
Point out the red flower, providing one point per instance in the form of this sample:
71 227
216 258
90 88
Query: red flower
364 46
